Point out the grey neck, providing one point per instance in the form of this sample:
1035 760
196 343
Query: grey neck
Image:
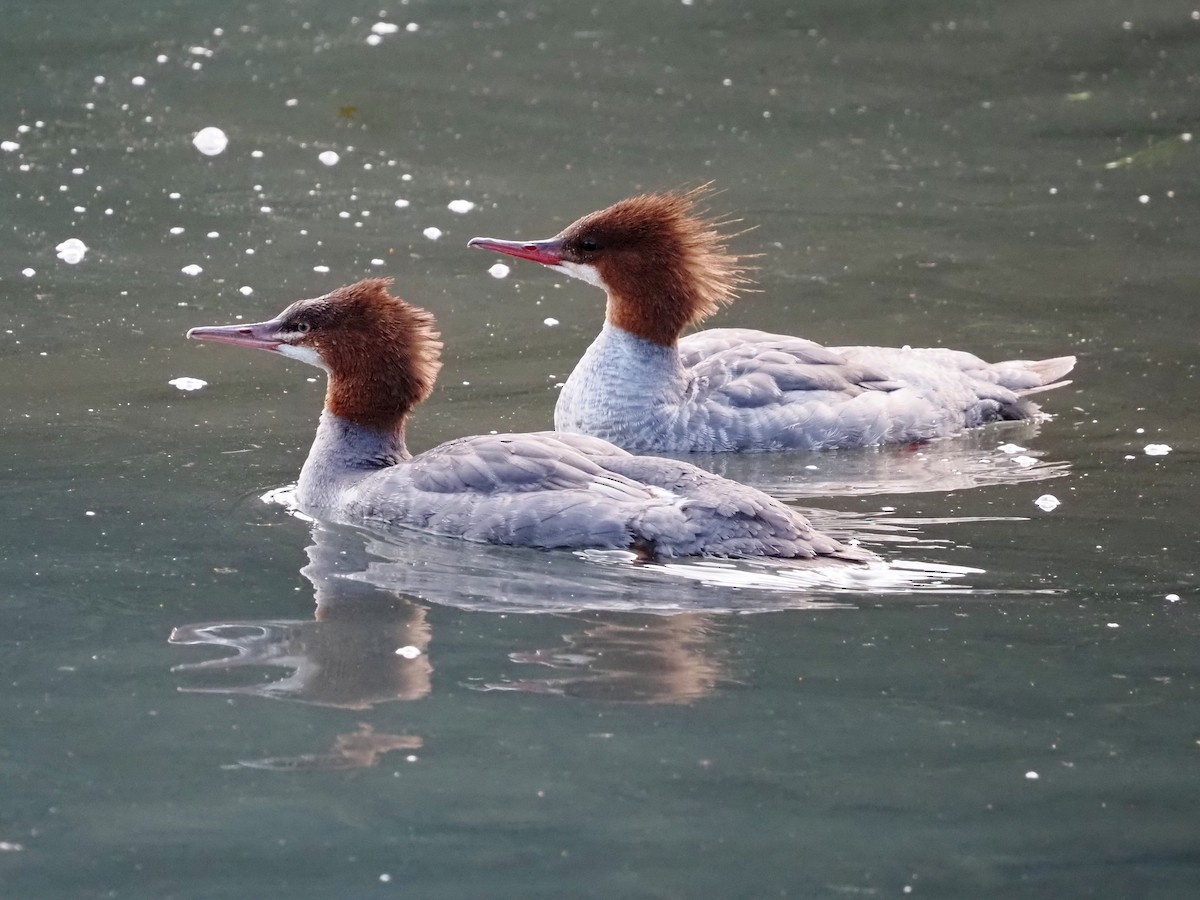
622 383
342 453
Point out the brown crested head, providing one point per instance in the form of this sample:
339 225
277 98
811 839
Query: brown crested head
664 263
381 353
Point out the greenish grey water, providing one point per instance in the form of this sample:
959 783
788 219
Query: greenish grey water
1011 179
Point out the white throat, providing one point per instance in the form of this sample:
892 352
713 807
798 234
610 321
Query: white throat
583 272
304 354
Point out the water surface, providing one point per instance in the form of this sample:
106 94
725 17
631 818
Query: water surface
203 697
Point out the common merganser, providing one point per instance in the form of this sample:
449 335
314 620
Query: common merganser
664 266
534 490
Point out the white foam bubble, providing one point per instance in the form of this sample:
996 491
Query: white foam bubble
1047 502
550 321
499 270
401 204
188 384
328 157
211 141
191 269
1157 449
9 146
432 232
409 652
28 273
71 251
322 269
245 290
385 28
460 206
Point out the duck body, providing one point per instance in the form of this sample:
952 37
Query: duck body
548 490
737 389
645 386
543 489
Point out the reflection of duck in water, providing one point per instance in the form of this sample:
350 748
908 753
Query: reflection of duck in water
346 656
542 490
357 750
368 641
642 659
980 457
363 646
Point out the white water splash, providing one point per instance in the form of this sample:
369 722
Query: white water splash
210 141
71 251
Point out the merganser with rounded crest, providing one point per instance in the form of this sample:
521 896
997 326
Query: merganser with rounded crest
665 266
542 490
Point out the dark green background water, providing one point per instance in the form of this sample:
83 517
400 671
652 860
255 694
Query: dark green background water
1008 178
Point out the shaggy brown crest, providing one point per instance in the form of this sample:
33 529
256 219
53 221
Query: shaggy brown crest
664 262
381 353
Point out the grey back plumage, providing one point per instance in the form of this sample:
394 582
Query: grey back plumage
557 490
739 389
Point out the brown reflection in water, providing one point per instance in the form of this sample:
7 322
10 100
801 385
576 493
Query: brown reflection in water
631 659
345 657
357 750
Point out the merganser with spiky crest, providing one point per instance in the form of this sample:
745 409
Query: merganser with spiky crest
664 266
532 490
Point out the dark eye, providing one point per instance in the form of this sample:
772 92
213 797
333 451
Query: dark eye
587 245
303 327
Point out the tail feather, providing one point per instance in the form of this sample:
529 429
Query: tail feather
1048 370
1047 375
1041 389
